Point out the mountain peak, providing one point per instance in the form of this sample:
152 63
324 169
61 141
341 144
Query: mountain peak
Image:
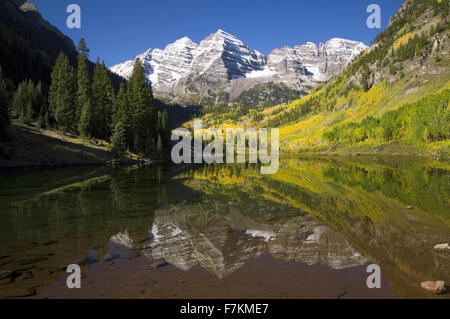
142 56
341 40
224 34
184 40
220 31
185 68
184 43
26 6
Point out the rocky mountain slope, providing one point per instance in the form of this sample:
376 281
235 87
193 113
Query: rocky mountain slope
392 99
222 67
29 44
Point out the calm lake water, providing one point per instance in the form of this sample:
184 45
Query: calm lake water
226 231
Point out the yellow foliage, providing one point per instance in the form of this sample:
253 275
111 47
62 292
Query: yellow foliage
402 40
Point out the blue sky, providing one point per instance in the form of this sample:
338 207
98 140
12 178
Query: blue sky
117 30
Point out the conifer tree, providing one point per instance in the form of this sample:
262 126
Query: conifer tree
19 99
54 91
4 108
365 78
62 96
159 121
120 112
124 114
159 145
21 102
85 125
103 100
163 131
165 121
43 120
40 100
28 101
83 49
142 105
31 98
84 92
118 139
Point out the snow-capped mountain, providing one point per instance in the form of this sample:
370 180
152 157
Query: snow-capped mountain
321 62
222 63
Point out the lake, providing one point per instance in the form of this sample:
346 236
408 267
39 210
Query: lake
226 231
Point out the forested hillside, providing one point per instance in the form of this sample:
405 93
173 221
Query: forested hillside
50 88
395 94
29 45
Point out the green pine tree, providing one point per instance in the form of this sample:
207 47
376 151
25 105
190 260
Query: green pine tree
124 114
19 99
165 129
159 121
28 101
144 122
40 100
41 120
63 94
118 139
365 85
119 113
103 102
165 121
85 125
27 116
83 49
55 90
84 96
32 101
159 145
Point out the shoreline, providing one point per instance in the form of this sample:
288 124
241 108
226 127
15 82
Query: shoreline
30 148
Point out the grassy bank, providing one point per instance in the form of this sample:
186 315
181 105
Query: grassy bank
31 147
373 149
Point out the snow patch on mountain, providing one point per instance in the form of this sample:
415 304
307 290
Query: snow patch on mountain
266 72
185 67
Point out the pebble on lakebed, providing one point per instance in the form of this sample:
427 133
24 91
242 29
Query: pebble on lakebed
442 247
435 287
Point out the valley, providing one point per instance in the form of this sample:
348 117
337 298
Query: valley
357 175
392 99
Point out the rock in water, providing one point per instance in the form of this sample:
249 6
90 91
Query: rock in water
435 287
444 247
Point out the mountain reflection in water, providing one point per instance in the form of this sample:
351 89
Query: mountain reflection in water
221 240
336 213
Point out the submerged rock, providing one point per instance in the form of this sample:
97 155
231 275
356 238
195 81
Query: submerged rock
434 287
442 247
